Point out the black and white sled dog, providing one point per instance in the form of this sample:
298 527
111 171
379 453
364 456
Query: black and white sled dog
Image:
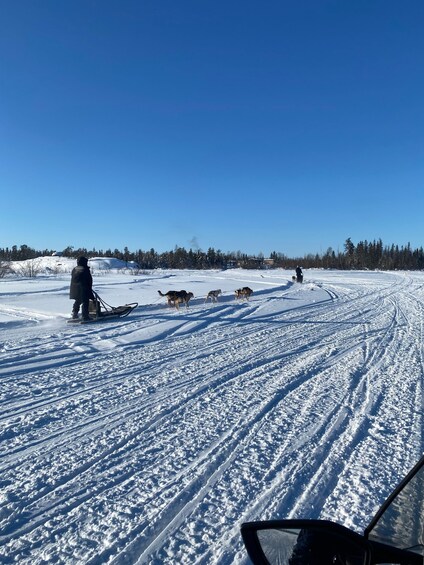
213 295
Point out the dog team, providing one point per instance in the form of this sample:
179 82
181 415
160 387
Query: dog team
177 297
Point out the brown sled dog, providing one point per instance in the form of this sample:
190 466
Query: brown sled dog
177 297
244 292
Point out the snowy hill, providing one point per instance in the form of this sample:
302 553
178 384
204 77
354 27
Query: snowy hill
151 439
53 264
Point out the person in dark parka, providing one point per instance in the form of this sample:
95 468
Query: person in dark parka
299 274
81 290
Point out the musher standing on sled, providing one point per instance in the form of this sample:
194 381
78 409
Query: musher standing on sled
299 274
81 288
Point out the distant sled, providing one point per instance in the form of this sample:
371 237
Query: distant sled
99 311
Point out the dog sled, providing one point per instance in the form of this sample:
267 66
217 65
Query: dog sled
99 310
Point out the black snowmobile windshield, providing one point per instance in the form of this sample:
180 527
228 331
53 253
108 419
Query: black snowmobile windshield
400 521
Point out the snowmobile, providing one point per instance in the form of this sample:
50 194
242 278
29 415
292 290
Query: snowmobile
394 535
98 310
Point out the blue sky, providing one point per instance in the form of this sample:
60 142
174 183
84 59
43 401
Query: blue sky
239 125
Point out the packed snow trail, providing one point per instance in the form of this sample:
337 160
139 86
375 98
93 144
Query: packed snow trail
151 439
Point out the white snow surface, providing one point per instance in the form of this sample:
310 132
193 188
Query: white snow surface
150 439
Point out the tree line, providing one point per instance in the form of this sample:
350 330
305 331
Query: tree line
363 255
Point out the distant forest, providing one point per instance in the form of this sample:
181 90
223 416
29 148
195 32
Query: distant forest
364 255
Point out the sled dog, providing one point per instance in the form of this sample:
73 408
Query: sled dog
177 297
244 292
213 295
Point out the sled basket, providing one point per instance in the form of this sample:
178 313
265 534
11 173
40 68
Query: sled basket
99 309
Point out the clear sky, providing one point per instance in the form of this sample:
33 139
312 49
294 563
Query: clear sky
283 126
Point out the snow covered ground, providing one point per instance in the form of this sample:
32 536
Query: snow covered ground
152 438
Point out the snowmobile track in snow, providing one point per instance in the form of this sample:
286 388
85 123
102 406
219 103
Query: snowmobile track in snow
151 439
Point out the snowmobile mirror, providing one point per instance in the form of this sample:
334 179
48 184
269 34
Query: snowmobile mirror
304 542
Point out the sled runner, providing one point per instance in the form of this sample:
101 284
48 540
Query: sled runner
100 310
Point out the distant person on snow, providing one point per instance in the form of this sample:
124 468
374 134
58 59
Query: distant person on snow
81 288
299 274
